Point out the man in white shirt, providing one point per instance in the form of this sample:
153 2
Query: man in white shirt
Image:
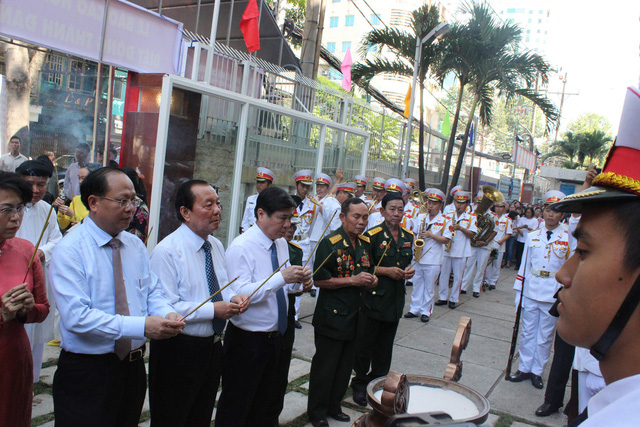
598 306
431 227
191 266
463 227
264 179
9 162
36 218
545 250
253 339
71 184
451 208
503 229
110 302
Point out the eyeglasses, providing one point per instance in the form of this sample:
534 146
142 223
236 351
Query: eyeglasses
125 203
9 212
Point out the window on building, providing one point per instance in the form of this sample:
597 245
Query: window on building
346 46
335 1
541 12
527 38
530 12
331 47
400 18
530 20
333 22
539 21
53 69
348 20
375 19
76 69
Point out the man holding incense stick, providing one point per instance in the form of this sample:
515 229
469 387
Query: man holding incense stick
259 258
344 269
191 266
39 221
110 302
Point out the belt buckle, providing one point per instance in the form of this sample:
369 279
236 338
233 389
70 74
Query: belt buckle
544 273
135 355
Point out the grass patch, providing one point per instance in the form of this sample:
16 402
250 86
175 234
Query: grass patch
296 385
42 388
506 420
145 416
49 363
42 419
299 421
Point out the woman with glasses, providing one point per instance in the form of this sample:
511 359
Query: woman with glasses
24 300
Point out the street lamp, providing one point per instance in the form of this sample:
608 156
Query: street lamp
438 31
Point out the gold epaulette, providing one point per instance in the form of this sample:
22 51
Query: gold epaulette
365 238
335 239
374 231
295 245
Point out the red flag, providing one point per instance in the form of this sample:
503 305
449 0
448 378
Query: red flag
250 27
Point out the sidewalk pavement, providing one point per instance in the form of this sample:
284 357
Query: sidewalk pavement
420 348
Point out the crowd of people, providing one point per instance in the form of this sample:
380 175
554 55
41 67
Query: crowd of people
210 315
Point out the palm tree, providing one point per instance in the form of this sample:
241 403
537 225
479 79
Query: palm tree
484 56
567 147
403 45
592 145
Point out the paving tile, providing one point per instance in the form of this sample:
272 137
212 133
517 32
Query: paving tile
298 368
42 404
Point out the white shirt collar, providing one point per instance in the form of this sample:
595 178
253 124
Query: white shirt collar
612 392
262 238
191 238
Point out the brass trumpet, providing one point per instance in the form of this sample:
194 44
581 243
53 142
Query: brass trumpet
418 198
485 222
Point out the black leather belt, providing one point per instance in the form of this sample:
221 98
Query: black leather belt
137 354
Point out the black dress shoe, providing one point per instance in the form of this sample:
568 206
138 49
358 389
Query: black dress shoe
546 409
360 397
409 283
492 287
312 292
410 315
463 292
476 294
452 304
341 416
536 381
320 423
440 302
518 377
424 318
297 325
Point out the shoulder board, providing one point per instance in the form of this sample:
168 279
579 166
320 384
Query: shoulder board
335 239
406 229
374 231
295 245
365 238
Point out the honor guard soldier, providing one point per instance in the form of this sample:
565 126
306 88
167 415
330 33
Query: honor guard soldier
361 186
411 209
504 230
343 270
378 194
463 227
306 210
545 251
451 208
392 185
432 234
391 249
264 179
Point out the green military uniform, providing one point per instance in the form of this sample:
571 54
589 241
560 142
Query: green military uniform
383 306
335 321
284 360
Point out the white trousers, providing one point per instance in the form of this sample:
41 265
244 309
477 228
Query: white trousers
537 335
588 385
493 269
482 258
457 266
469 269
424 284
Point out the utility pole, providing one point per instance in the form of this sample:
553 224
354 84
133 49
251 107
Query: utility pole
310 38
564 84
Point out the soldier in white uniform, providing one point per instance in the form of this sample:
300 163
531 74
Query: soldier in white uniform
504 230
392 185
378 193
463 227
361 186
264 179
450 208
411 209
477 261
432 227
545 251
306 211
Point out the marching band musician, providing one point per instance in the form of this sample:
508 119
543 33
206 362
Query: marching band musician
463 227
504 229
264 179
392 185
378 193
306 211
361 186
411 208
431 227
451 208
545 251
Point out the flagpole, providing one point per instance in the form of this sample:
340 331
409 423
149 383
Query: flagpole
472 189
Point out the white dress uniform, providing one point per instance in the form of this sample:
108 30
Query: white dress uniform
32 223
478 259
330 212
541 259
504 226
375 217
455 259
615 405
428 268
249 217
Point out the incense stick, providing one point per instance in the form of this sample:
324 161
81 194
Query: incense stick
318 242
35 250
381 258
321 264
148 234
208 299
267 279
423 254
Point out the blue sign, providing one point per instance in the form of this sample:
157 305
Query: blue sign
567 188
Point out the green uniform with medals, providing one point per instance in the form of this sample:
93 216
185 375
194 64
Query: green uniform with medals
284 361
383 308
335 321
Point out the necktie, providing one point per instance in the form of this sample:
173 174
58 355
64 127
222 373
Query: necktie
122 346
549 233
212 281
282 304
